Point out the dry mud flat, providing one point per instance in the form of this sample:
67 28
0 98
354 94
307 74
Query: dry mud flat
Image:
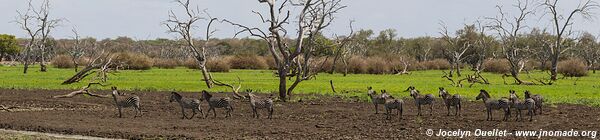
327 118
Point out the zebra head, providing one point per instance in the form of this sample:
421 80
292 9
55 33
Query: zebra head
443 92
482 95
513 95
175 97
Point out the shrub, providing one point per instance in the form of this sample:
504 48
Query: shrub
572 68
133 61
378 65
165 63
248 62
218 65
270 62
325 65
357 65
501 66
190 63
436 64
62 61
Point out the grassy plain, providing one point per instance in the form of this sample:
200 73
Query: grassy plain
585 90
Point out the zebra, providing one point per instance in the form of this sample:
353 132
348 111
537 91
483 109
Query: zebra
186 103
421 99
528 104
539 101
391 104
217 103
451 100
492 104
259 103
377 99
125 102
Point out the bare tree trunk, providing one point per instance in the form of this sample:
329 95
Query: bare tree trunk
554 68
283 84
26 60
335 59
345 67
458 69
205 75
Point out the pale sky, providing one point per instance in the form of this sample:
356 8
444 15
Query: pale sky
141 19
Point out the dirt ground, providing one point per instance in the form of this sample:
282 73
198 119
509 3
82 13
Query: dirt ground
326 118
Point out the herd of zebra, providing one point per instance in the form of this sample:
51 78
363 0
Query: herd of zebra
531 103
125 101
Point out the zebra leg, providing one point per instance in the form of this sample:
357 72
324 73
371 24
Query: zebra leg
230 110
431 109
193 114
456 109
200 110
530 116
419 108
137 111
120 115
254 113
183 113
387 113
376 110
519 115
270 113
541 109
448 108
214 113
401 110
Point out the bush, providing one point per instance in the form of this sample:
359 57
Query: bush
62 61
248 62
218 65
165 63
270 62
191 63
378 65
436 64
133 61
572 68
501 66
357 65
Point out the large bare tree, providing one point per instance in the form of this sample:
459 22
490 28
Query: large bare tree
588 49
184 26
38 25
456 48
77 49
293 56
562 28
509 30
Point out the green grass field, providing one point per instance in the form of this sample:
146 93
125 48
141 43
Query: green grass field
584 90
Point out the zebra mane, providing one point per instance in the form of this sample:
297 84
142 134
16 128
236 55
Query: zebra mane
177 95
206 95
485 93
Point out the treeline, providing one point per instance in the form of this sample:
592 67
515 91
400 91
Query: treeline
366 52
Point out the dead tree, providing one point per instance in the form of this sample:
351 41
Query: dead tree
101 66
77 50
83 91
589 50
184 27
562 26
508 30
38 25
293 59
455 50
342 50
